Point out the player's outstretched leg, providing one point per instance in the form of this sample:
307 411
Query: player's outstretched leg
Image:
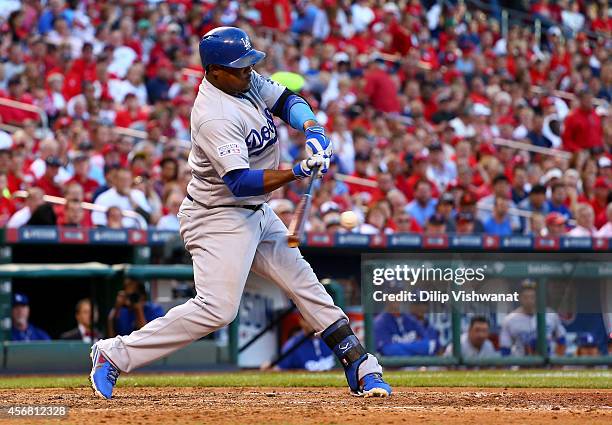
103 375
363 373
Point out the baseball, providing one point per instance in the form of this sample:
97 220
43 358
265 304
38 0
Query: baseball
348 220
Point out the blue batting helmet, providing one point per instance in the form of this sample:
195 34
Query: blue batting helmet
228 46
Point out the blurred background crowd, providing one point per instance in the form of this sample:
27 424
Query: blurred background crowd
445 116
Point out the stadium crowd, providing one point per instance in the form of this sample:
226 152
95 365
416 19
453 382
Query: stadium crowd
416 96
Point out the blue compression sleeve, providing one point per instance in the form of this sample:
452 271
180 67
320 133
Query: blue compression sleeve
245 182
293 109
299 113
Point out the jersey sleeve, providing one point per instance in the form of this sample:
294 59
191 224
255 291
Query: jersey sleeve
269 90
223 144
558 329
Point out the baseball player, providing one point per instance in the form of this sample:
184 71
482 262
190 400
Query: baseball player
518 334
227 226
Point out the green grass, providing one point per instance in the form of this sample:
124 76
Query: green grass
495 378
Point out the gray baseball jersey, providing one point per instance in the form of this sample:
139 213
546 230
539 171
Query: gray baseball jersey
519 331
230 133
469 351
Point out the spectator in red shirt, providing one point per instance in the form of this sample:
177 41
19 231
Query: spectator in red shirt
132 112
17 92
361 170
405 223
421 163
555 225
47 181
81 176
380 88
275 14
583 126
385 185
74 214
83 69
600 201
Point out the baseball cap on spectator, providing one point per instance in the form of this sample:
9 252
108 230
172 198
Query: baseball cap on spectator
420 156
465 217
360 156
481 110
444 97
555 218
597 150
80 156
62 123
601 183
109 148
55 76
436 219
174 27
518 160
487 149
547 101
391 8
467 199
571 173
153 124
20 299
554 173
329 206
554 31
435 146
53 161
6 143
503 97
341 57
528 284
144 24
332 218
447 198
85 146
604 162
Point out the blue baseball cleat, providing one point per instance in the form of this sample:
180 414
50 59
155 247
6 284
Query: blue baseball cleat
103 376
373 385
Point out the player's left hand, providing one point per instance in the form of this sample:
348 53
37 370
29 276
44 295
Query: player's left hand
317 142
304 168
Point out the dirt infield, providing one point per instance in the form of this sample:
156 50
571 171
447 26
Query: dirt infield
320 406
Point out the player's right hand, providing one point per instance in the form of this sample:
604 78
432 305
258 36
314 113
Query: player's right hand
303 169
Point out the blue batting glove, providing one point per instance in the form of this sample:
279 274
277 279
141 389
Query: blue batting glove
317 142
304 168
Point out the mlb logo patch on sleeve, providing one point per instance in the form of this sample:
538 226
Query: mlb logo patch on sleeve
228 149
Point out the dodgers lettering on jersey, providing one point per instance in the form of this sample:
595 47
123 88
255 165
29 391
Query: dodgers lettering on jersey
230 133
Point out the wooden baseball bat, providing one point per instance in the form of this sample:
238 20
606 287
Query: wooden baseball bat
296 226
